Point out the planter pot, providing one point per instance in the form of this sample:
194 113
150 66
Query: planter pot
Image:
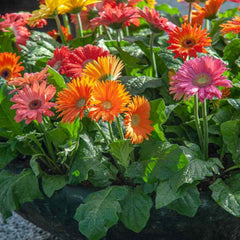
211 222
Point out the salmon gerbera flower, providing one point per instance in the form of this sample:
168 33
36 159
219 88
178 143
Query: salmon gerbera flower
79 57
33 101
109 99
231 26
10 66
200 76
72 101
188 41
105 68
138 125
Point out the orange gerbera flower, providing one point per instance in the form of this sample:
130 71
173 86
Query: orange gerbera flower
188 40
72 101
231 26
138 125
56 34
10 66
105 68
109 99
212 7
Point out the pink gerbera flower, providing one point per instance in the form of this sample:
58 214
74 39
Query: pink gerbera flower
33 101
59 54
79 57
156 23
200 76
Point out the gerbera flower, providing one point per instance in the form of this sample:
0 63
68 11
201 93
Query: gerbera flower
231 26
59 54
105 68
201 76
212 7
29 78
156 23
197 17
116 16
10 66
72 101
33 101
74 6
109 99
138 125
188 40
151 3
79 57
56 35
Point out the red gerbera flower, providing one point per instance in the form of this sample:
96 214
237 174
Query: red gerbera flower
59 54
79 57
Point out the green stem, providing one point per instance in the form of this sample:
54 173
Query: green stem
232 168
127 31
120 128
80 32
102 133
60 30
197 121
190 12
110 131
66 23
153 59
205 129
118 37
108 34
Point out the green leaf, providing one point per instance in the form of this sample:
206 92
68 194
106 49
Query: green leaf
55 79
100 212
6 154
227 194
16 190
52 183
121 150
135 210
188 204
168 9
231 136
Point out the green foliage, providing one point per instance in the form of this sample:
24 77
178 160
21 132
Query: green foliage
56 79
6 154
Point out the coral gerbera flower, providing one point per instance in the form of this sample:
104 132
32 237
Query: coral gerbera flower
109 99
156 23
188 40
138 125
231 26
10 66
29 78
200 76
116 16
79 57
59 54
72 101
74 6
105 68
33 101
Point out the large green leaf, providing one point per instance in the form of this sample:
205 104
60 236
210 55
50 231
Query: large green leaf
100 212
16 190
56 79
136 210
227 194
58 136
231 135
121 150
6 154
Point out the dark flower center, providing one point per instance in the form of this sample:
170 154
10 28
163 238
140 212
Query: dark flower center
35 104
135 120
188 43
5 73
202 80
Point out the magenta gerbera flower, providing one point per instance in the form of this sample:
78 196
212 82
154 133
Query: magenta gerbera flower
33 101
200 76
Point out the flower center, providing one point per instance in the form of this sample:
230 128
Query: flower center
188 43
57 65
107 105
5 73
202 80
81 102
35 104
135 119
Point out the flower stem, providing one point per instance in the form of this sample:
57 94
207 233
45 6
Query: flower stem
110 131
60 30
102 133
66 23
80 32
190 13
153 59
120 128
205 129
118 37
197 121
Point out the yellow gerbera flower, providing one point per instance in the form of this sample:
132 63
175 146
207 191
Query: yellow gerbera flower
74 6
151 3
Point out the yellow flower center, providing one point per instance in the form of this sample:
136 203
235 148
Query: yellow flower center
5 73
135 119
81 102
202 80
35 104
107 105
188 43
